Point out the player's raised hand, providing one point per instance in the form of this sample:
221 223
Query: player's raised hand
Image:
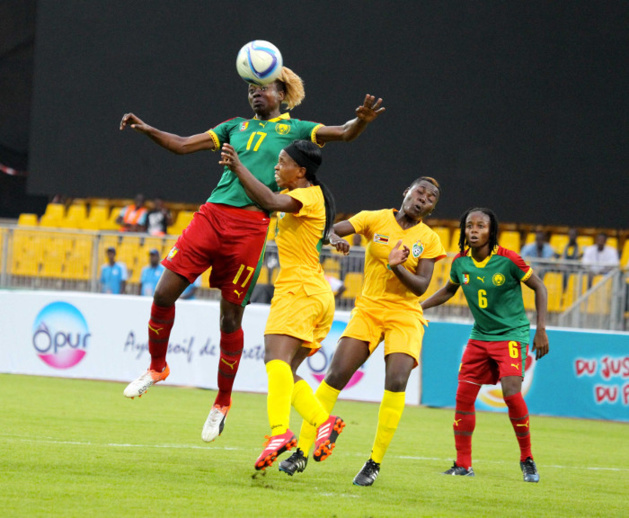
229 157
134 122
399 254
370 109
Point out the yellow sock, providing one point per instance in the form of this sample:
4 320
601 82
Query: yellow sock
279 396
389 416
327 396
308 406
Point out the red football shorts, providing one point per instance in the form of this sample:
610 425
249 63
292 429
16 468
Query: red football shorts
229 240
487 362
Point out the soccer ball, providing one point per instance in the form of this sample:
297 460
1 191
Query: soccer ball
259 62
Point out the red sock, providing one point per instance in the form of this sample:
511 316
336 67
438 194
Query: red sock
464 422
231 351
160 324
519 415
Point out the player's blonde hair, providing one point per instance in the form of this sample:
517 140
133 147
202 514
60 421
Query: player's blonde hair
293 86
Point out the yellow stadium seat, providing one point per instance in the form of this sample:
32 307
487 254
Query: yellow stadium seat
353 282
183 219
599 302
624 256
454 241
528 296
55 211
76 215
584 241
510 239
554 286
444 235
79 262
559 242
27 220
571 293
97 218
332 267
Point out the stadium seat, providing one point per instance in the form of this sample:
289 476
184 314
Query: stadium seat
510 239
75 217
454 241
624 256
27 220
571 294
353 282
444 236
182 220
97 218
599 302
559 242
584 241
332 267
554 286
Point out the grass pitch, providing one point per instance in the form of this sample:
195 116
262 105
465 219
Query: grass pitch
79 448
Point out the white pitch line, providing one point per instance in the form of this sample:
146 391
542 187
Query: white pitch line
198 447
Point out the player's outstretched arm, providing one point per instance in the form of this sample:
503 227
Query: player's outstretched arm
170 141
540 340
441 296
366 113
340 230
255 189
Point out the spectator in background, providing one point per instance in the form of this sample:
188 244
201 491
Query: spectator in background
151 274
113 274
158 219
190 292
572 250
132 218
539 249
600 258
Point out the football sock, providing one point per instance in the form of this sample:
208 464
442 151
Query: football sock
464 422
389 416
519 416
327 396
160 324
308 406
279 396
228 363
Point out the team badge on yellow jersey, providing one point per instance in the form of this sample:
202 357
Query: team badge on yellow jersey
379 238
418 249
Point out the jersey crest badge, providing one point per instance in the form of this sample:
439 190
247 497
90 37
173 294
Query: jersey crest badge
418 249
282 129
498 279
466 278
244 126
379 238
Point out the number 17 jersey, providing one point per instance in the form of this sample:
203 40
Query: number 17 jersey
258 144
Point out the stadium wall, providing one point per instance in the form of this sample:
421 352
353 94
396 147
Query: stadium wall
95 336
585 374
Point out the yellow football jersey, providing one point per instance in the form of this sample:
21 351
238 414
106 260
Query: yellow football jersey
299 240
381 287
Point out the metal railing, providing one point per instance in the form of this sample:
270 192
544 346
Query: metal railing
61 259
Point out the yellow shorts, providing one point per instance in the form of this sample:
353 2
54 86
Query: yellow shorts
308 318
402 331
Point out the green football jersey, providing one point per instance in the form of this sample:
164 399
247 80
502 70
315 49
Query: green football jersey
258 144
494 294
